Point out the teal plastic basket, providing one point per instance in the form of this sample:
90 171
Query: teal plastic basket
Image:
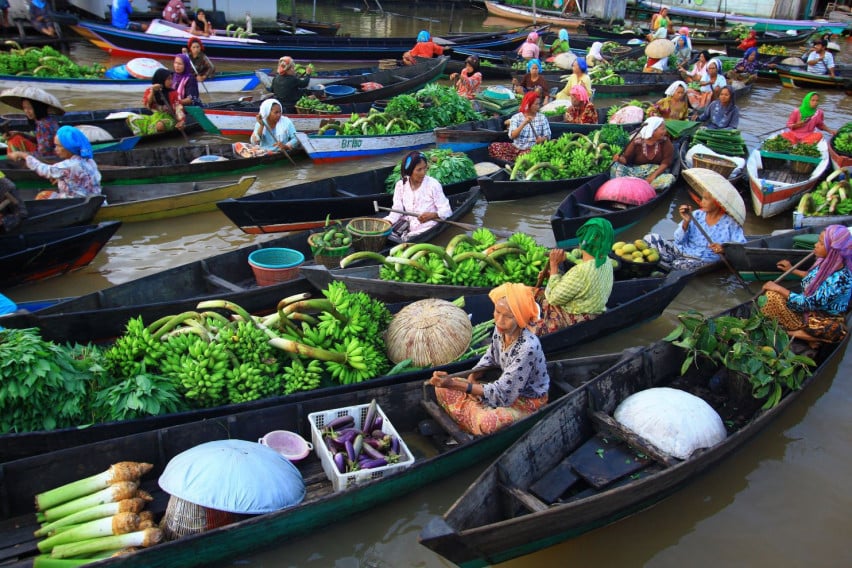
273 265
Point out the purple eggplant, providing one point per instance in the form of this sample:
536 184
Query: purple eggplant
350 451
341 422
394 444
358 444
372 451
377 422
377 434
340 462
370 464
330 444
372 408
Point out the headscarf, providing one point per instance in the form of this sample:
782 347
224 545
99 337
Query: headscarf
650 126
732 105
194 39
595 50
683 30
532 37
187 70
527 101
473 61
715 61
266 108
159 78
563 34
423 36
37 3
532 62
584 67
287 62
805 109
521 301
838 245
748 53
596 237
580 92
74 141
670 90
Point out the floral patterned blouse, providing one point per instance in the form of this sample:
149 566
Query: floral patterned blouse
586 115
693 243
524 370
468 85
74 177
45 131
664 108
832 296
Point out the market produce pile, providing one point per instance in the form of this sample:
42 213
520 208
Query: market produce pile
572 155
831 197
727 141
446 166
433 106
637 251
313 104
605 75
45 62
475 260
366 446
842 141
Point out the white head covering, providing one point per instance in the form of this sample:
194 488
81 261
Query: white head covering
717 62
651 124
673 87
595 51
266 107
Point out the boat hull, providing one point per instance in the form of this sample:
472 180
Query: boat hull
522 14
791 77
221 83
325 149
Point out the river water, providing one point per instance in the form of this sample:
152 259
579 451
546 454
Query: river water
783 500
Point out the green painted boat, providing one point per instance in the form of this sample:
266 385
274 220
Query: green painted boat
439 449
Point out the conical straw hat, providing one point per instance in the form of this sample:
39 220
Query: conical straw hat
15 96
703 180
659 48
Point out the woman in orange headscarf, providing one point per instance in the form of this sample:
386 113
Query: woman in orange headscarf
523 384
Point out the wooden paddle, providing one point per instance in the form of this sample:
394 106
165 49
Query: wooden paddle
786 273
464 374
465 226
721 255
185 51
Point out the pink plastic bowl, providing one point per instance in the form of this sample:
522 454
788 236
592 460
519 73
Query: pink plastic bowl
288 444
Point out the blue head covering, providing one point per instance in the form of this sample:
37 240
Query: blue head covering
748 52
584 67
532 62
74 141
38 3
563 34
423 36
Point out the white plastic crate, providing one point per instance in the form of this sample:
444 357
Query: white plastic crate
341 481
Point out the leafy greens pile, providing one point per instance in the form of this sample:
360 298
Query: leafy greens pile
45 62
569 156
445 166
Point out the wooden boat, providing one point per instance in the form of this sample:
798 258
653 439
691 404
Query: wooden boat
529 499
524 14
757 259
640 299
309 205
469 136
324 149
442 451
128 43
498 186
718 37
224 82
735 175
45 214
776 190
635 83
36 256
320 28
838 159
156 164
798 77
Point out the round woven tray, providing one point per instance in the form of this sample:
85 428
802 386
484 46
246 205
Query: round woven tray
719 165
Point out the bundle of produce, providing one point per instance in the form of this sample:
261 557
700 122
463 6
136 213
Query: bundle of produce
738 31
637 251
475 260
831 197
96 517
726 141
772 49
446 166
604 75
842 141
313 104
45 62
777 144
572 155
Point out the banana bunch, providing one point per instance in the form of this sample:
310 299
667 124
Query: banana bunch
202 373
246 381
298 376
352 369
135 352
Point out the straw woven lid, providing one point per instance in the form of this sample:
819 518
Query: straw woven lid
703 180
15 96
659 48
833 46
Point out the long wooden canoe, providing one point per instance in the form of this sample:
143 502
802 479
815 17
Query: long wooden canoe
326 149
44 214
757 259
39 255
529 499
223 82
524 14
440 451
796 77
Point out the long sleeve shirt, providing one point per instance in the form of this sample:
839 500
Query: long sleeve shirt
284 132
526 139
584 289
832 296
693 243
429 197
524 370
74 177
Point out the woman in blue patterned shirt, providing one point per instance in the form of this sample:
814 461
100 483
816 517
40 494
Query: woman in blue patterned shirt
818 314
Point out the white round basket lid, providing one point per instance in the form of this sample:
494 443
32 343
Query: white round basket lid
235 476
143 67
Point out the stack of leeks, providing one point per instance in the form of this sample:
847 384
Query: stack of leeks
95 517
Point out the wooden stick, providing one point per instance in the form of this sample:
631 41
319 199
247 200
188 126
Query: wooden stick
786 273
463 374
721 255
465 226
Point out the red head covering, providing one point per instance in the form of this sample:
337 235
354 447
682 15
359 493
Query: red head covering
192 40
527 101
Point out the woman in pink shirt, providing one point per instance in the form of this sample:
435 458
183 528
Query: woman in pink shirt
420 194
529 49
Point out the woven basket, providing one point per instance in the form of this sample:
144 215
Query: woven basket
388 64
303 110
802 167
183 518
719 165
369 233
327 256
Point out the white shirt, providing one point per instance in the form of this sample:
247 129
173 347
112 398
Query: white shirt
820 67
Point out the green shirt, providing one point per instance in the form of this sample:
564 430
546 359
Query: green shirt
582 290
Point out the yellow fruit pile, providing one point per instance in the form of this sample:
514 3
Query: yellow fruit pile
637 251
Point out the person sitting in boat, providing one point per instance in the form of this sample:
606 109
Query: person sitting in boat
526 127
121 11
648 155
594 55
683 46
201 65
533 81
184 82
417 192
41 17
674 105
4 13
661 25
530 49
821 61
44 123
581 111
201 25
287 86
804 121
581 293
561 44
712 81
273 132
721 113
469 80
689 249
166 109
578 76
77 175
818 313
175 12
424 47
749 42
694 74
13 210
521 389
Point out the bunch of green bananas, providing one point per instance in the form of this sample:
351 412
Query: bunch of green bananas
134 352
298 376
202 373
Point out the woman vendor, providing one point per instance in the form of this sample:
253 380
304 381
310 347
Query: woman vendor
561 44
694 74
648 155
690 249
530 49
467 82
166 110
581 293
674 105
578 76
41 118
594 56
818 313
721 113
747 68
184 82
522 387
581 111
526 127
804 121
709 85
200 63
418 193
273 132
533 80
424 47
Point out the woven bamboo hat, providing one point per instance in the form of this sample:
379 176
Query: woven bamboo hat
659 48
703 180
15 96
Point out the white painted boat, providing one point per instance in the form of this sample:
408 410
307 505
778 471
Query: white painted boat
324 149
241 123
221 83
